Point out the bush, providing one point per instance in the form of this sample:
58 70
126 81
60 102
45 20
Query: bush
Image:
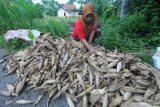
134 26
114 35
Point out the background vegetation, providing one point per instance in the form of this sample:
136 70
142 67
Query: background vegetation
133 27
138 30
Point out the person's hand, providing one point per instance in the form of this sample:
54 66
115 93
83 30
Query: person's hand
92 50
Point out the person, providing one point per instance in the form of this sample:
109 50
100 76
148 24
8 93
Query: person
86 27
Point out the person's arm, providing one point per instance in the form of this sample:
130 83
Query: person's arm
87 45
91 37
93 32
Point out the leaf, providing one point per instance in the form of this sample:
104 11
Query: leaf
70 102
31 35
10 87
24 101
7 102
5 93
38 99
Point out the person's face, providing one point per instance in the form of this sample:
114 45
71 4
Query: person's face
89 18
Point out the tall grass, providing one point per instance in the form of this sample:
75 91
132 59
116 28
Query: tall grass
23 14
16 14
113 36
58 27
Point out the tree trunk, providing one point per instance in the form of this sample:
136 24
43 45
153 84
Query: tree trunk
124 8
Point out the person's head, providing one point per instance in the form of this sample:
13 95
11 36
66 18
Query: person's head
88 13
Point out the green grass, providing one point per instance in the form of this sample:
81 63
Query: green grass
19 14
2 41
13 45
16 14
58 27
147 55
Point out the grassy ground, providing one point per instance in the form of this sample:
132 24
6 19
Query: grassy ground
59 27
13 45
147 55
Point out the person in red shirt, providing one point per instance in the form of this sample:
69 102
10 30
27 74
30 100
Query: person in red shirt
86 26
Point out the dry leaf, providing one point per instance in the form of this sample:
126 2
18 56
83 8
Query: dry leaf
24 101
7 102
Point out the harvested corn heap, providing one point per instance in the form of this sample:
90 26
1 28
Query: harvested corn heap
100 79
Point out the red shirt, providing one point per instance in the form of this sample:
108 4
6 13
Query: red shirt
79 30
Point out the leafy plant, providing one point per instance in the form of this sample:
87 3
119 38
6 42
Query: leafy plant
31 35
115 36
58 27
18 14
13 45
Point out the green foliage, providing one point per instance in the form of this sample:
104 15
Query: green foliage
17 44
81 2
31 35
151 10
141 26
115 35
58 27
39 11
51 7
107 11
134 26
98 6
105 7
147 55
16 14
152 39
71 1
23 14
135 32
13 45
2 40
